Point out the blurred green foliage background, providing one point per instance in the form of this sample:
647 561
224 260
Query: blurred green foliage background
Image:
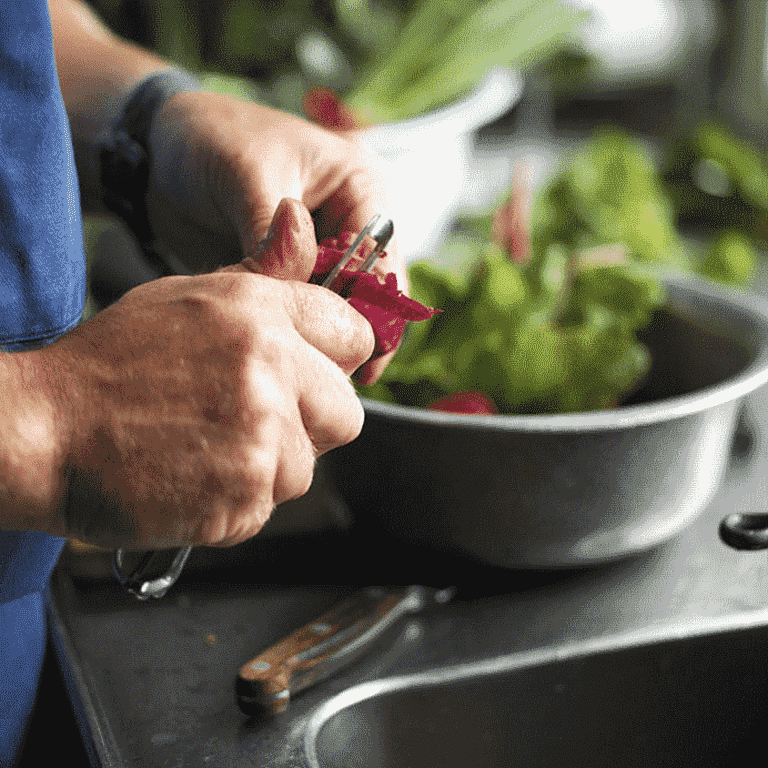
267 49
274 50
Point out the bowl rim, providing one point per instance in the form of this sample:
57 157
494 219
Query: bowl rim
754 375
496 93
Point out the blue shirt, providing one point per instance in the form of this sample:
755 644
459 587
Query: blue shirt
42 293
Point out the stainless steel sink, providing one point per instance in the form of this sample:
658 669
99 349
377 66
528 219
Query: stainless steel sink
685 696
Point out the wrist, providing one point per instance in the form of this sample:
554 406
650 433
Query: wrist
34 434
123 156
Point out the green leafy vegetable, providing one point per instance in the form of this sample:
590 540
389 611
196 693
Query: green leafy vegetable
548 337
611 192
373 24
446 47
733 259
744 163
529 350
555 327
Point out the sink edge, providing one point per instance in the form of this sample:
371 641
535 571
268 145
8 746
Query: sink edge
687 628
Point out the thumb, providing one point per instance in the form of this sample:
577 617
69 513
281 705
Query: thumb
289 250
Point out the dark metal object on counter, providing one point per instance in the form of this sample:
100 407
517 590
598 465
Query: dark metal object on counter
321 648
153 576
149 579
745 531
566 706
533 665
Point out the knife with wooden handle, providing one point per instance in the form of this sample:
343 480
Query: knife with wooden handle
266 684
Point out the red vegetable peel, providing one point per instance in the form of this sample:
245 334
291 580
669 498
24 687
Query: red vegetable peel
381 302
469 401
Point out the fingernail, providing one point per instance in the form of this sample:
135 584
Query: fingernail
273 226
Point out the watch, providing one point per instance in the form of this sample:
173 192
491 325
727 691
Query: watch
125 158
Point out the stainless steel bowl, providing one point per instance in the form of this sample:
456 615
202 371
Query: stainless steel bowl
572 489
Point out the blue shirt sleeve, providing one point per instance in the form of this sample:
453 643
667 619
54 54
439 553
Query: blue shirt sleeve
42 265
42 294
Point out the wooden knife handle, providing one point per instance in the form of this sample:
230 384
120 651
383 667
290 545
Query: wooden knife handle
322 647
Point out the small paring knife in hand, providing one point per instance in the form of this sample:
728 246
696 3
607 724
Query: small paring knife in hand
265 685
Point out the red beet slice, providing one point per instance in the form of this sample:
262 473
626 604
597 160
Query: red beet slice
383 304
465 402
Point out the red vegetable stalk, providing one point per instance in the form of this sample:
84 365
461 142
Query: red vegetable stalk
324 107
511 227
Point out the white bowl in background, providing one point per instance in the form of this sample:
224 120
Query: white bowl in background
428 160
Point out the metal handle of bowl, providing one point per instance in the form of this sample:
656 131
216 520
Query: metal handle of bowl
745 531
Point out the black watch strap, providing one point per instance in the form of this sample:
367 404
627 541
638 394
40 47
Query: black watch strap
125 158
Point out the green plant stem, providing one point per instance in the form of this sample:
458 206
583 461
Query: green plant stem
495 33
427 24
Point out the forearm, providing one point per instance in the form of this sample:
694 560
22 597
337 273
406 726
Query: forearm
33 434
97 70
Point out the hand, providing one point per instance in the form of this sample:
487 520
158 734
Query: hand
194 405
222 165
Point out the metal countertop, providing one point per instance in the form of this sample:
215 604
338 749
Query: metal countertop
154 681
